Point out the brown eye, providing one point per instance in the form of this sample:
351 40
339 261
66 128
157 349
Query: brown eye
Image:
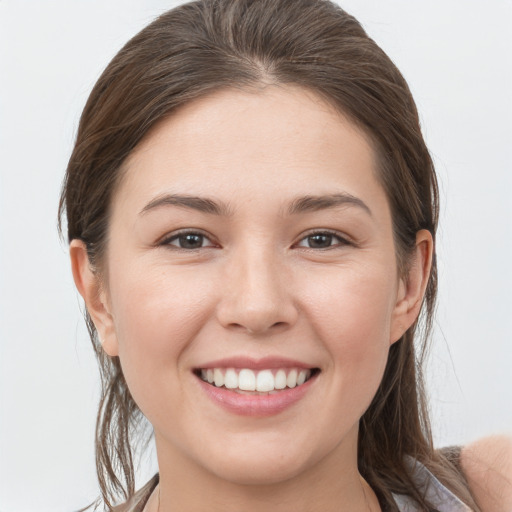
189 241
322 240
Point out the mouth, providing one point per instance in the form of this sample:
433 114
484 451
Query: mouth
267 381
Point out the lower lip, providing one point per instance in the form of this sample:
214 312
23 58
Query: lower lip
256 405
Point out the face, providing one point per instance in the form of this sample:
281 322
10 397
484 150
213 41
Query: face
251 245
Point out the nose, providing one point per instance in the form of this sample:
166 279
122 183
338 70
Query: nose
256 297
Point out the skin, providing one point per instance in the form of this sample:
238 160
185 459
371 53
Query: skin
256 287
487 464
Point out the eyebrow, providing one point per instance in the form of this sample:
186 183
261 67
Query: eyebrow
201 204
214 207
324 202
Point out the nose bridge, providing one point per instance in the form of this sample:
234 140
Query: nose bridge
255 296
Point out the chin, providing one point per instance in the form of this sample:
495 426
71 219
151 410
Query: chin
258 473
260 462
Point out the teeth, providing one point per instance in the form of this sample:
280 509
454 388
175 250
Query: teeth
247 380
218 377
230 379
280 380
264 381
291 380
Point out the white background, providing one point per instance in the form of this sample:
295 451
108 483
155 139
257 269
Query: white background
455 55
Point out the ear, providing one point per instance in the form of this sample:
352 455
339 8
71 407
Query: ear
412 286
89 286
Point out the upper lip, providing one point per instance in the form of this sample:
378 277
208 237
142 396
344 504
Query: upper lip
265 363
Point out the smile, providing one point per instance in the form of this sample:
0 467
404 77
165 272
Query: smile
265 381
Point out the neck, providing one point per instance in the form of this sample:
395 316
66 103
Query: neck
330 485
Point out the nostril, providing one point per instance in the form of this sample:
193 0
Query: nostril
240 327
263 329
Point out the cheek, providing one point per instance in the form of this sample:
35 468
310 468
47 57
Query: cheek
156 314
353 303
351 313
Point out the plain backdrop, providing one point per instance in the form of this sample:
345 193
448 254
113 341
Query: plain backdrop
455 55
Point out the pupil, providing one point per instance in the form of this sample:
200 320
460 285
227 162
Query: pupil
191 241
316 241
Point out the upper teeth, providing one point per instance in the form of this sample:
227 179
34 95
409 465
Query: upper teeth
248 380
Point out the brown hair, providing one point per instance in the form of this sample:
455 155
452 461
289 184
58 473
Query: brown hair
208 45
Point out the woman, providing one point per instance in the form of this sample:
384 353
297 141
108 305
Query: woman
251 214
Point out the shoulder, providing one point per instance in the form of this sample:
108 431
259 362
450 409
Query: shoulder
487 466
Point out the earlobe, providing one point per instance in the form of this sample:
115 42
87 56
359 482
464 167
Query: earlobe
412 287
88 284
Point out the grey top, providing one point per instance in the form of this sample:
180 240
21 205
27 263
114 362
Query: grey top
436 493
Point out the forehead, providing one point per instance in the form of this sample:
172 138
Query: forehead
245 144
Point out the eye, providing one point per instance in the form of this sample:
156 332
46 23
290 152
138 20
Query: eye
322 240
188 240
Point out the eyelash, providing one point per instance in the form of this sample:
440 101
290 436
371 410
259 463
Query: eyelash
181 234
341 240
